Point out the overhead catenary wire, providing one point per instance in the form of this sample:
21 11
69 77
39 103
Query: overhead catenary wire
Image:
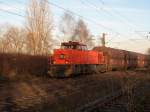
113 12
107 12
66 10
17 10
16 14
98 9
85 18
12 13
118 13
90 4
128 21
74 13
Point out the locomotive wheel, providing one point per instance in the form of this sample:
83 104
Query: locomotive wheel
101 68
68 72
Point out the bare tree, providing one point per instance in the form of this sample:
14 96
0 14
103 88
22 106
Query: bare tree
68 26
13 40
1 45
5 45
148 51
2 31
39 27
0 41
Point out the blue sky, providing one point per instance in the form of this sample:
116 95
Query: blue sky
126 17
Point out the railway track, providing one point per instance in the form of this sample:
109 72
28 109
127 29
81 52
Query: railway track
116 103
121 101
94 106
34 93
82 94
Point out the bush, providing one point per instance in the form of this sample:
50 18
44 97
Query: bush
17 64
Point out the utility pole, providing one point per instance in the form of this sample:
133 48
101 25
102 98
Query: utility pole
103 40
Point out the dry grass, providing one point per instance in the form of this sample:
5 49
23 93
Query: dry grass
45 94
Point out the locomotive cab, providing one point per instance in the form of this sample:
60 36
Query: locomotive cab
73 45
63 60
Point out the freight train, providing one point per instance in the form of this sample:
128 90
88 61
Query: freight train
74 58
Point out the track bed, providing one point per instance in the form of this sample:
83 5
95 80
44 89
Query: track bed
31 93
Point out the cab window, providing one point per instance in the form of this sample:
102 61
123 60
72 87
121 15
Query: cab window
84 48
78 47
65 47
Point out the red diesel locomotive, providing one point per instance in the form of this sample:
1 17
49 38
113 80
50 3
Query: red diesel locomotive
74 58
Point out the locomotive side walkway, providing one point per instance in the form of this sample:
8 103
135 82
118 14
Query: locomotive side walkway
30 93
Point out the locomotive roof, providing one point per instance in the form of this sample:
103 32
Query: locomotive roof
106 49
72 43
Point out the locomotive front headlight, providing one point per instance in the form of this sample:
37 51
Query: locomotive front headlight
62 56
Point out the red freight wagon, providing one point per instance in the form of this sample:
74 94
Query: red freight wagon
122 59
114 58
74 58
140 58
146 60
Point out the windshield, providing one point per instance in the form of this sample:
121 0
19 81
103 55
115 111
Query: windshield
78 47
